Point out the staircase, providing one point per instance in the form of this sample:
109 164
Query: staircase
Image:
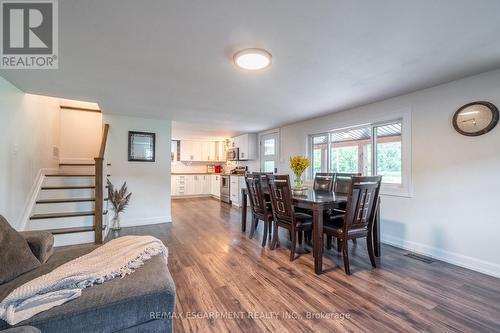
69 205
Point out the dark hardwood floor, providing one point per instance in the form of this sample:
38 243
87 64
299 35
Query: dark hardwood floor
219 272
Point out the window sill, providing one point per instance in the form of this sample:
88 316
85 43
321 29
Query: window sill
396 192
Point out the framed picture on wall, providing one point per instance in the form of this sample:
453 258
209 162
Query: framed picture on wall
141 146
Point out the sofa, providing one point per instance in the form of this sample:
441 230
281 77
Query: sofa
140 302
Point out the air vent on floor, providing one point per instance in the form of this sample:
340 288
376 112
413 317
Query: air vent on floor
415 256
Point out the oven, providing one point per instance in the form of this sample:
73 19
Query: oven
232 154
224 189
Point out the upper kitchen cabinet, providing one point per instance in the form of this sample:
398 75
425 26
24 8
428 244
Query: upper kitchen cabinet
247 146
201 151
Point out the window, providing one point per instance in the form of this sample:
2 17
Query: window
349 151
319 153
269 146
375 149
389 153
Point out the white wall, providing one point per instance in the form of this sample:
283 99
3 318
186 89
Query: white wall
81 133
452 213
29 125
149 182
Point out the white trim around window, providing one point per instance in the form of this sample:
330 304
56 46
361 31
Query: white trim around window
405 189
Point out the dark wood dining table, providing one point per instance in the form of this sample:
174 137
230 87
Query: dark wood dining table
318 202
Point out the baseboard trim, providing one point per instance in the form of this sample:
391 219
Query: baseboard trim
22 222
457 259
143 221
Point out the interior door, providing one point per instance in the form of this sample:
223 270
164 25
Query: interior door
269 152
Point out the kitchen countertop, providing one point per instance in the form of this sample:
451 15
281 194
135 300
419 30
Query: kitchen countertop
194 173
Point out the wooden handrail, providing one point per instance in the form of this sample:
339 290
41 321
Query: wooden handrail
104 140
99 179
76 108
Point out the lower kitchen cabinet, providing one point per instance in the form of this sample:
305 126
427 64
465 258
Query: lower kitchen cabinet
195 185
215 186
237 183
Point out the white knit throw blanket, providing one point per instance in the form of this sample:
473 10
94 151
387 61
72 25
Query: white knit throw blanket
118 257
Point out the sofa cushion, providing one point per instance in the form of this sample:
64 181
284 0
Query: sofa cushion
16 257
41 244
115 305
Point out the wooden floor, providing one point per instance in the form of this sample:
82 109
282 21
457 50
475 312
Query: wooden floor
220 273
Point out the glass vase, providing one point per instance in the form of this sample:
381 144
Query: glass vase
298 182
116 223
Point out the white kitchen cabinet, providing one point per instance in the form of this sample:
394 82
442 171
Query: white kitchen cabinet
237 183
185 185
247 146
220 151
191 150
215 186
201 151
207 184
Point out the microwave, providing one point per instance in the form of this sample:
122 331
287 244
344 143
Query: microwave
232 154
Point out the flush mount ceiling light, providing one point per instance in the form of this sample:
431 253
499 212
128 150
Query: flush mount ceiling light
252 59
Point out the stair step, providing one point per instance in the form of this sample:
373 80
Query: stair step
53 201
80 164
67 187
70 230
62 215
76 164
71 175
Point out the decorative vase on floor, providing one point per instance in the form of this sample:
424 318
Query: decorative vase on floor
119 199
116 223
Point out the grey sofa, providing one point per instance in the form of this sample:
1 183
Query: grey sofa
139 302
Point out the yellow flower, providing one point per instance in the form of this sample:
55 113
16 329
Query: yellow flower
299 164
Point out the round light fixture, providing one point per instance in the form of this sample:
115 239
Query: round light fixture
252 59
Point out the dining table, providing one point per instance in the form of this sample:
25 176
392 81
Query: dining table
317 202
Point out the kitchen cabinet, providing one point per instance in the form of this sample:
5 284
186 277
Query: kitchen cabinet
237 183
187 185
201 151
247 146
215 186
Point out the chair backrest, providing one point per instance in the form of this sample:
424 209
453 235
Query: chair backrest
362 202
263 179
255 193
343 182
281 198
323 182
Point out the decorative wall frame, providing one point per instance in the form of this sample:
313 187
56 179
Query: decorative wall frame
141 146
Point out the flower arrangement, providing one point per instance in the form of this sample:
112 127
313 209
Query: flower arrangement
120 200
299 164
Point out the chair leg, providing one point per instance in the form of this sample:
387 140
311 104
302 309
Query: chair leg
300 237
275 242
371 253
354 241
264 237
255 221
328 242
345 254
270 229
292 249
339 245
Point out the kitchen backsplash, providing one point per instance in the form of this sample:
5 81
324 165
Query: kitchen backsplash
192 167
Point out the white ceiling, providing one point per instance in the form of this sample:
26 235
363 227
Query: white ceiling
173 59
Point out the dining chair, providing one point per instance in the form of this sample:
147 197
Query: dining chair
358 220
342 182
284 213
261 210
323 181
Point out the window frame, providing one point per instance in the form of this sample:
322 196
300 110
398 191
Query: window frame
404 189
